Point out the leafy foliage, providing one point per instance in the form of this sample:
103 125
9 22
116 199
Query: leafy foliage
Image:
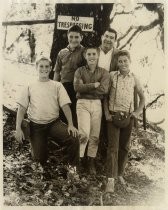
27 183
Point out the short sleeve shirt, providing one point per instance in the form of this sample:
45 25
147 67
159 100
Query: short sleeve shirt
43 100
121 96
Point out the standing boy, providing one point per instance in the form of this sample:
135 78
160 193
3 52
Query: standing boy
120 100
42 101
91 84
68 60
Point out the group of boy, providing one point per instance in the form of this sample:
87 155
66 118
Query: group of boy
84 87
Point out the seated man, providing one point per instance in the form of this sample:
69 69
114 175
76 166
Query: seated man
42 101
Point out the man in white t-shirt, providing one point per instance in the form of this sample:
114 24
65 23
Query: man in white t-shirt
108 51
42 101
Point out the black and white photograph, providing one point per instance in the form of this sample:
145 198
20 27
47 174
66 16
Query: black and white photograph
84 107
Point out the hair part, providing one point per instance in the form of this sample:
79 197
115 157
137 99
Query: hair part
111 30
75 28
91 47
43 58
123 53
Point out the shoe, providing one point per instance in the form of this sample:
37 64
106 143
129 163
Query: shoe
92 168
121 180
82 165
110 185
72 173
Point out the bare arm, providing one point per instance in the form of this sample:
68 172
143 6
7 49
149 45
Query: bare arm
106 109
57 69
141 97
67 111
20 116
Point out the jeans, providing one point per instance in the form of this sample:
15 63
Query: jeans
89 113
72 95
39 134
118 147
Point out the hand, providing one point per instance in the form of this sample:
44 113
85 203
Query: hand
97 84
135 114
73 130
109 117
19 135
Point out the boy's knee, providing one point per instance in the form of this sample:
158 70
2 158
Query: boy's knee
39 157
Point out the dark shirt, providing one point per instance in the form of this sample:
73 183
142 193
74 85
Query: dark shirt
68 61
84 83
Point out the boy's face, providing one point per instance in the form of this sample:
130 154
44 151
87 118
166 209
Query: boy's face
44 68
108 40
91 56
123 63
74 39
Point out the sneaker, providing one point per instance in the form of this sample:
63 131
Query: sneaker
72 173
121 180
110 185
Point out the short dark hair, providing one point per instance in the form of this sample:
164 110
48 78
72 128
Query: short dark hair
75 28
91 46
111 30
123 53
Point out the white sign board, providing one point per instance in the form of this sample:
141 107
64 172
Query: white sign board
65 22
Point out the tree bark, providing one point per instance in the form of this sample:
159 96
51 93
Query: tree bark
100 13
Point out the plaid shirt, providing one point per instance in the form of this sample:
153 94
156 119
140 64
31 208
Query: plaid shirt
122 98
68 61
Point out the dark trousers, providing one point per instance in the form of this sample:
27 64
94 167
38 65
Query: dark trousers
39 134
102 150
72 94
118 147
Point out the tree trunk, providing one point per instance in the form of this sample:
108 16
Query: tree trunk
101 14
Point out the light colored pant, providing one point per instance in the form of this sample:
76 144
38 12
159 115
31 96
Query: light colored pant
89 113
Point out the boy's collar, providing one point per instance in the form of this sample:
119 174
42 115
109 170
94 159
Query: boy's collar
111 50
87 67
128 74
78 47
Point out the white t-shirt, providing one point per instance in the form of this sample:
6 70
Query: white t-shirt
43 100
105 59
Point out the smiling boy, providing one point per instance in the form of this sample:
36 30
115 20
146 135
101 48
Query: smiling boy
120 100
68 60
91 84
42 101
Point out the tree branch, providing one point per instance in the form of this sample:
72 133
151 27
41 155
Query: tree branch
120 13
140 29
126 13
154 101
123 36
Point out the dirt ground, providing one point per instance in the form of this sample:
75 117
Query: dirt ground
26 184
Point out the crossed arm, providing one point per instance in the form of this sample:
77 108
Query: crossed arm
99 88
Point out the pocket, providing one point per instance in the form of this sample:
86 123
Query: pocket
79 105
